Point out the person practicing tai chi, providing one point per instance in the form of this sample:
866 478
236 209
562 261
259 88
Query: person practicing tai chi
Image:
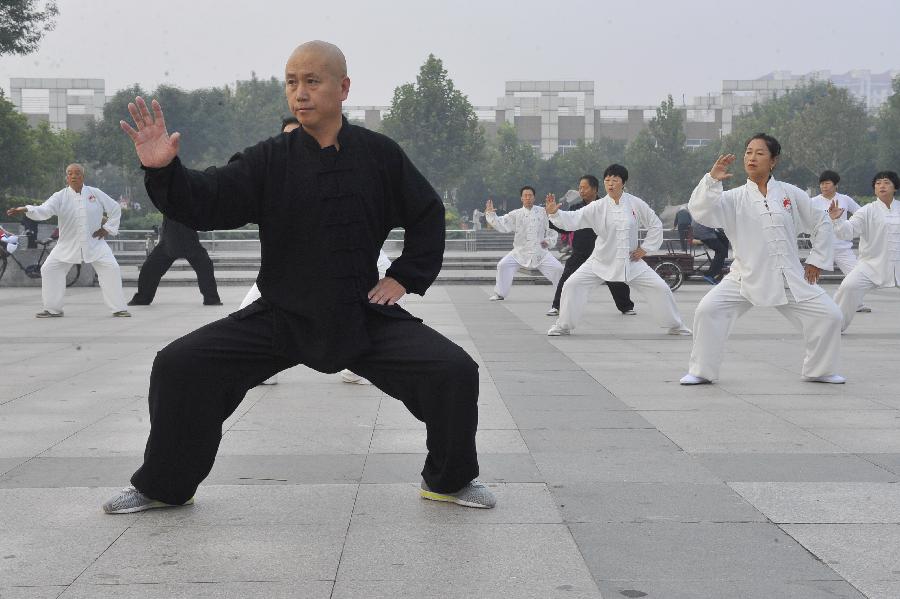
762 218
582 246
345 187
176 241
82 238
617 255
844 258
878 227
531 244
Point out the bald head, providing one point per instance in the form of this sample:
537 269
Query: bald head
75 166
75 176
326 56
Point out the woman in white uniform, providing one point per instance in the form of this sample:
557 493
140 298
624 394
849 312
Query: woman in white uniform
617 255
762 219
878 227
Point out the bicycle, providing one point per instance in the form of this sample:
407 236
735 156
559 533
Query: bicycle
33 271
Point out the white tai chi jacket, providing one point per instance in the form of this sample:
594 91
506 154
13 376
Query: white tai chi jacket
80 214
531 228
616 226
878 229
850 207
763 232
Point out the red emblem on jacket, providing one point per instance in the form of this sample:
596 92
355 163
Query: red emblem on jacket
787 204
92 198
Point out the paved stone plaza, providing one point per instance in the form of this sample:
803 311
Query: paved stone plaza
611 478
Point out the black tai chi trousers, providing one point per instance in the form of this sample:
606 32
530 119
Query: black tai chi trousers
620 291
198 381
158 263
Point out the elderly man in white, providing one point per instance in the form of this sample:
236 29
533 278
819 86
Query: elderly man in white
531 243
844 258
762 219
617 255
878 227
82 234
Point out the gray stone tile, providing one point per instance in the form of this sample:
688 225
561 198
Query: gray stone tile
795 467
286 469
861 440
71 507
308 589
31 592
824 502
551 388
265 505
634 465
737 432
756 589
517 503
843 419
651 502
544 554
413 441
888 461
494 467
483 589
880 589
700 551
595 440
51 556
299 441
858 552
563 403
554 419
220 554
7 464
813 402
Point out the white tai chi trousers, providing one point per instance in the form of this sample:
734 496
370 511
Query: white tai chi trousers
550 267
819 319
845 259
648 284
53 282
851 293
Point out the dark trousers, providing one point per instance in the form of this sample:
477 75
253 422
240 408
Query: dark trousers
619 290
683 235
160 260
199 380
720 252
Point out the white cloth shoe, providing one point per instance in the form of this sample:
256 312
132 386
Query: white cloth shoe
690 379
495 298
680 331
557 331
864 309
833 379
552 312
354 379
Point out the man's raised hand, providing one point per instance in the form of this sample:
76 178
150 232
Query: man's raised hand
719 171
154 146
550 204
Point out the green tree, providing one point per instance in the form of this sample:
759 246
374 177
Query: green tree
23 24
511 164
659 165
53 152
17 149
564 169
436 125
887 128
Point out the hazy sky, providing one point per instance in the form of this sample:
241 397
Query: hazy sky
636 52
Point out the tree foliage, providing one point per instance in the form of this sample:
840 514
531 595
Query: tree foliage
23 24
888 132
436 126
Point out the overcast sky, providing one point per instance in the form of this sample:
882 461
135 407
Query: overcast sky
636 52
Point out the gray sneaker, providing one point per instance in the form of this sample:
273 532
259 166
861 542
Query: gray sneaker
48 314
130 500
474 494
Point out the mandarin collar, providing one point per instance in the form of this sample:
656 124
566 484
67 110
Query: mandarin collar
343 136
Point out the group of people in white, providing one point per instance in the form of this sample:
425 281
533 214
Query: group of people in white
762 218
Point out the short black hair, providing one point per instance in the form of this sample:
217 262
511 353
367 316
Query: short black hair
771 143
521 191
829 176
890 175
592 181
616 170
291 120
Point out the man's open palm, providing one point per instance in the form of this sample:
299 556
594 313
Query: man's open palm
154 146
